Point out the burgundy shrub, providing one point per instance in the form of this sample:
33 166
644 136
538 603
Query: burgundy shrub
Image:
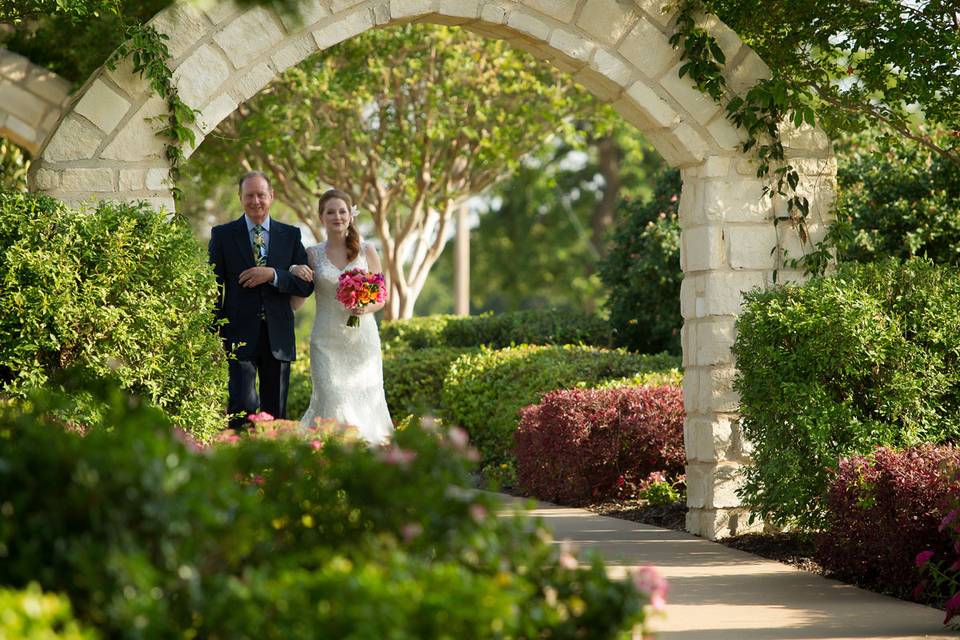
586 445
884 509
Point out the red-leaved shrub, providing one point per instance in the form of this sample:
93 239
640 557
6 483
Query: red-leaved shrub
584 445
885 508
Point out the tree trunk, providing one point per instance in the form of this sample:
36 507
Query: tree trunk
461 264
608 158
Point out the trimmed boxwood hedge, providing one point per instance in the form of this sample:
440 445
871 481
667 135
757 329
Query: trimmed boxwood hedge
483 392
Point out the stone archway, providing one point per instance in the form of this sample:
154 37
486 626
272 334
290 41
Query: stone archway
32 99
105 147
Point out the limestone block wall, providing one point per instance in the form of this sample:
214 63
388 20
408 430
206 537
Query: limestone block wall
105 147
31 101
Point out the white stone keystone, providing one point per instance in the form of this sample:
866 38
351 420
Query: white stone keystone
409 8
561 10
184 24
306 13
494 14
458 8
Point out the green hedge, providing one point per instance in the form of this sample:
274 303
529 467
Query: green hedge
120 291
483 392
535 326
277 539
838 366
30 614
413 380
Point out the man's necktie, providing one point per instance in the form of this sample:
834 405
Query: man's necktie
259 247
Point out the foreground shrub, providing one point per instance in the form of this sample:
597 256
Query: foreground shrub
484 392
122 292
279 538
838 366
642 271
30 614
413 380
585 445
883 509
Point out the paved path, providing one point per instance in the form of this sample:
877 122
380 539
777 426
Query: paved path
719 593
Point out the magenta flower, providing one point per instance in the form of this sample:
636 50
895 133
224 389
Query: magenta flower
410 531
478 512
648 581
924 557
396 455
947 519
458 437
952 607
263 416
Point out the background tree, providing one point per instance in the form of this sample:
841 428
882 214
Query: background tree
14 164
411 121
542 229
642 272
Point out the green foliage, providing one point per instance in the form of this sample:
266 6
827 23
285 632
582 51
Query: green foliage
838 366
642 271
278 538
896 198
483 392
30 614
121 292
536 326
544 226
413 379
14 166
414 333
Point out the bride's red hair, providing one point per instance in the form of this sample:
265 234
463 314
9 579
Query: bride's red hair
353 235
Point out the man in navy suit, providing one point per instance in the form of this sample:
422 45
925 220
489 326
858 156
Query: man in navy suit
252 257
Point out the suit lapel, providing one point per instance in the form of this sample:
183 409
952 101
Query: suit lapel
242 239
278 235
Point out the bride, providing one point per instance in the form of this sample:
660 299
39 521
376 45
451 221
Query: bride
346 366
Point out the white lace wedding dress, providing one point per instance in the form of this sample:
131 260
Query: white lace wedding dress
346 365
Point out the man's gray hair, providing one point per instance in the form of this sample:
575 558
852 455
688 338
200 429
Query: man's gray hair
253 174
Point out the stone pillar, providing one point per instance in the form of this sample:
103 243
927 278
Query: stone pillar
729 245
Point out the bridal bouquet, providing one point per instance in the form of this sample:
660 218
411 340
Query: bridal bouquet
357 289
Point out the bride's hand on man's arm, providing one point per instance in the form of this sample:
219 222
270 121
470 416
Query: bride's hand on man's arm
302 271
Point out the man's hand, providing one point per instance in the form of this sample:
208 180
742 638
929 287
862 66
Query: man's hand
256 276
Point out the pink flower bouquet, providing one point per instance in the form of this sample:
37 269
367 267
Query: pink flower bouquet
357 289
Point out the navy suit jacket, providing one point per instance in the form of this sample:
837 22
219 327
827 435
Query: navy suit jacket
230 254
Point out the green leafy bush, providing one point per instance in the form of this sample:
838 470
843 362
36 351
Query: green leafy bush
414 333
838 366
534 326
642 271
483 392
301 384
120 291
897 198
30 614
279 538
413 380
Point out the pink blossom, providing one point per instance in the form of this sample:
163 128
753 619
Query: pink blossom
924 557
396 455
648 581
263 416
478 512
458 437
567 561
918 590
947 519
410 531
316 444
258 480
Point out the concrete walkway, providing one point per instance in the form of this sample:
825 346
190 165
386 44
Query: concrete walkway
719 593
